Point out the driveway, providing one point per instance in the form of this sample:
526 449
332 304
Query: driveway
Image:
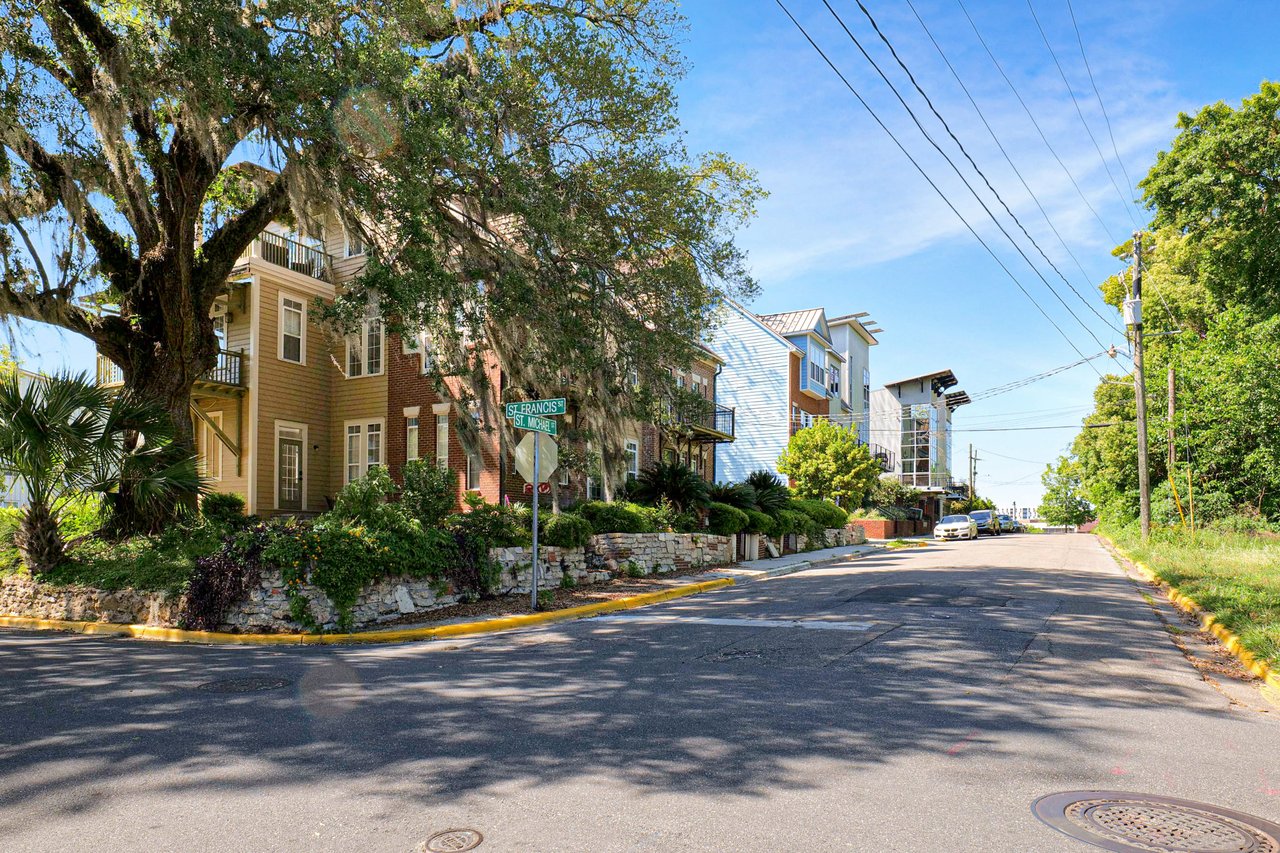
910 701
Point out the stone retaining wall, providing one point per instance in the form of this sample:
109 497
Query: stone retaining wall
267 607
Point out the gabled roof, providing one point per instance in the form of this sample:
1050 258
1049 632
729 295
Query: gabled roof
751 317
809 321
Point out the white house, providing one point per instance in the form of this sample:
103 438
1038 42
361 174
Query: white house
782 372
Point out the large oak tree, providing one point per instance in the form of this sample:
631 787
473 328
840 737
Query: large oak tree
516 168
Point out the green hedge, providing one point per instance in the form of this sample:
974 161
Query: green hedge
726 520
825 513
566 530
614 517
760 522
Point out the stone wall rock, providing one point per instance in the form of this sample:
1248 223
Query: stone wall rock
266 608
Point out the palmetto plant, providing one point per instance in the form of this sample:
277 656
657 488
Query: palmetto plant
64 438
772 493
674 482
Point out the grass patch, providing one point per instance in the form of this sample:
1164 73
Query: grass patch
906 543
1234 576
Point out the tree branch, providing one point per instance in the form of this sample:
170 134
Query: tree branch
224 246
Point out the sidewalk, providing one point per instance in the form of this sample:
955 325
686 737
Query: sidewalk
774 566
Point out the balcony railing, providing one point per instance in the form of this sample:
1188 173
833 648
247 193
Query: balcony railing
933 480
717 419
290 254
886 457
228 370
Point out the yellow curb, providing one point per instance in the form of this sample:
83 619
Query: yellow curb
405 635
1208 622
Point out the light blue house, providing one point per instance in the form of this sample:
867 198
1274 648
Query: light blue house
781 372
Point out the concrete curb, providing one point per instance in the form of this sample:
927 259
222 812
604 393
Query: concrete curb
405 635
752 575
1269 676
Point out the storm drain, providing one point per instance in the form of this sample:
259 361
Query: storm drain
1125 822
243 685
451 841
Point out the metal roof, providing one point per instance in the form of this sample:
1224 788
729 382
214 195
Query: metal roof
797 322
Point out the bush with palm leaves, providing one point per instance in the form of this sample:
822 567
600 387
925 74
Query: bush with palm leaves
772 494
738 495
67 439
674 482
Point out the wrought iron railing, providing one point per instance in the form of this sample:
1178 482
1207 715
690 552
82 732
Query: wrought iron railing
228 370
290 254
886 457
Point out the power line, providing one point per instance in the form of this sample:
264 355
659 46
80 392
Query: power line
972 163
1106 118
1016 170
1031 116
1014 458
925 175
1123 201
1021 383
961 175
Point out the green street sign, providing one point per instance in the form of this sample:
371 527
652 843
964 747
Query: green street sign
542 408
522 421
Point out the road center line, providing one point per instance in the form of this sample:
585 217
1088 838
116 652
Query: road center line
808 624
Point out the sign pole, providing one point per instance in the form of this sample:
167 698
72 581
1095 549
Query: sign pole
533 570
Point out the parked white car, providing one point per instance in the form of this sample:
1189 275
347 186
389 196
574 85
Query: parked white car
956 527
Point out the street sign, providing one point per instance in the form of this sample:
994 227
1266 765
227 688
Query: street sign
543 488
547 451
522 421
542 408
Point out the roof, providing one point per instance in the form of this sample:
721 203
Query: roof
864 327
956 399
941 380
799 322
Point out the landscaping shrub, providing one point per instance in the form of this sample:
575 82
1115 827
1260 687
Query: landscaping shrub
771 493
223 508
660 518
222 580
825 513
739 495
566 530
9 556
498 526
726 520
364 501
791 521
759 522
673 482
614 517
429 493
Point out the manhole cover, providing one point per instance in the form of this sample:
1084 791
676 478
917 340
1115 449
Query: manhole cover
243 685
451 841
1126 822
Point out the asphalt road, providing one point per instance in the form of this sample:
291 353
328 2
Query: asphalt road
915 701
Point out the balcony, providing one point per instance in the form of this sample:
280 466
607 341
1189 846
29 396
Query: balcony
715 424
225 379
290 254
883 455
932 481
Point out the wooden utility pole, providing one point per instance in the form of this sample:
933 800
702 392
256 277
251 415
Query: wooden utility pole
972 472
1133 318
1173 455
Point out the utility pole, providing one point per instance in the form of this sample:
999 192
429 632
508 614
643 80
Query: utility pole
972 471
1133 319
1173 456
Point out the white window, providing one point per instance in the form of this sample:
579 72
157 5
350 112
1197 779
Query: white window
594 492
355 243
410 439
564 476
364 349
474 467
442 441
211 447
364 448
633 460
293 330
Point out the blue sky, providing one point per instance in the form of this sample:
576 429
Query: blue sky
851 226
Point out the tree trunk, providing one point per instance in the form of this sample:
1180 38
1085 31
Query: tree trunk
39 541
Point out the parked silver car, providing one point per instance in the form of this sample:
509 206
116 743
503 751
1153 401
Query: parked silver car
987 521
1007 524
